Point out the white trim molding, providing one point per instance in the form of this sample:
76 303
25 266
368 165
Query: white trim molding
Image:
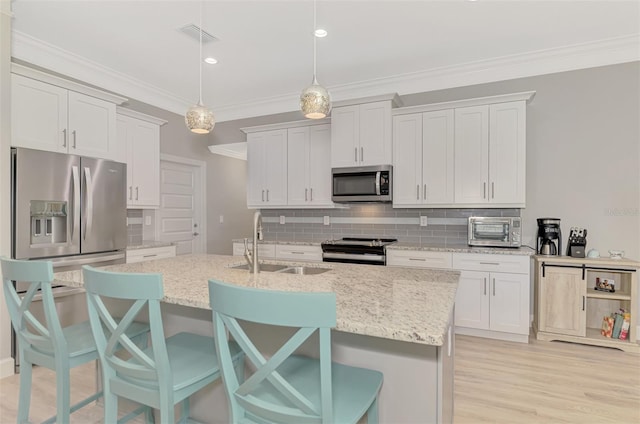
7 367
139 115
580 56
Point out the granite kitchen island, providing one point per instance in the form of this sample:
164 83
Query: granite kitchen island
396 320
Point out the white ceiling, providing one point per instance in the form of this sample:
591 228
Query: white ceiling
265 48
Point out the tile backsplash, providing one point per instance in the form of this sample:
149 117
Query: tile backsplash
134 226
445 227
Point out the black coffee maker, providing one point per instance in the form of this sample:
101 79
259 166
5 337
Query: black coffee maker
549 237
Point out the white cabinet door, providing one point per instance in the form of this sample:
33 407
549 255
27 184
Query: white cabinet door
437 157
509 304
345 136
298 166
507 153
92 126
375 134
320 165
407 159
142 143
472 300
38 115
471 154
267 169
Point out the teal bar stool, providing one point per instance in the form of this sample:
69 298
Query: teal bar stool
162 375
47 343
288 388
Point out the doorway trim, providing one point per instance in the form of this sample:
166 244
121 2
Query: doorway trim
203 194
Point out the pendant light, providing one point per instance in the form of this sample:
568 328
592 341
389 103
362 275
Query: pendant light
315 101
199 118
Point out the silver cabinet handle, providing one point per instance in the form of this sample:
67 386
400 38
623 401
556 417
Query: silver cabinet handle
196 234
311 194
74 138
355 153
305 194
484 190
89 188
424 197
263 195
418 259
267 195
494 286
130 192
493 192
485 286
362 154
64 137
297 253
583 302
137 192
418 192
489 263
150 256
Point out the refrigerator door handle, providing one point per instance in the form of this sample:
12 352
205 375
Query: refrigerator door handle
76 201
89 200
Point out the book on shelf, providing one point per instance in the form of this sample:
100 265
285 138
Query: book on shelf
607 326
626 321
617 325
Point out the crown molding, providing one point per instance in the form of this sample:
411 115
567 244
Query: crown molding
587 55
286 125
234 150
526 96
139 115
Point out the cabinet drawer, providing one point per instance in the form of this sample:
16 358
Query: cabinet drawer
265 251
299 253
518 264
141 255
419 259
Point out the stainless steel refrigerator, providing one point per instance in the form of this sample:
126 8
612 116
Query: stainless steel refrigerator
71 210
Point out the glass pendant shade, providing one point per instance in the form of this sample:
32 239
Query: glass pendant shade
200 119
315 101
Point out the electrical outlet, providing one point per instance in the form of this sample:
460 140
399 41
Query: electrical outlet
281 219
423 221
147 220
326 220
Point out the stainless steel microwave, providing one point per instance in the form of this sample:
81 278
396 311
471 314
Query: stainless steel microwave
362 184
495 231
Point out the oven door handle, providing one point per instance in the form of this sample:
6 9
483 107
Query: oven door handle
368 258
378 175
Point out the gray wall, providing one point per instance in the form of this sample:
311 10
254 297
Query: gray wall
226 177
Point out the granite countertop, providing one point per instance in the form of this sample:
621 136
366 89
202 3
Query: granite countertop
465 249
405 304
148 244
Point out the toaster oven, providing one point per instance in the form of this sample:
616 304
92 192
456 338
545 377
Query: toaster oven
494 231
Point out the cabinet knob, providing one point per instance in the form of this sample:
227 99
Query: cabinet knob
196 234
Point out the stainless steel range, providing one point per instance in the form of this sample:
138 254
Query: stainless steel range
356 250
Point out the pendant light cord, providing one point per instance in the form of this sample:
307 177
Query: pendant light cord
314 40
200 54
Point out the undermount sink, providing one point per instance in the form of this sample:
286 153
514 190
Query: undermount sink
303 270
286 269
263 267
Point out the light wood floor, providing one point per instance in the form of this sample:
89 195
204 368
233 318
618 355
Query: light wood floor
495 382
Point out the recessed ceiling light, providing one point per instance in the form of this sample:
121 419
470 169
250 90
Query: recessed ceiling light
211 61
320 33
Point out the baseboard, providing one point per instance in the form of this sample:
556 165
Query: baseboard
6 367
497 335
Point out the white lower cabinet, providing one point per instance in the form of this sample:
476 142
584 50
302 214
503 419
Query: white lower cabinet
284 252
150 254
265 250
490 302
419 259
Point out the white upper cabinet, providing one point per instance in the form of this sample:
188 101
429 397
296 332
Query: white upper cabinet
68 121
490 155
309 166
267 169
423 146
361 134
139 137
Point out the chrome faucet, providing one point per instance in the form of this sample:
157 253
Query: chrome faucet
252 257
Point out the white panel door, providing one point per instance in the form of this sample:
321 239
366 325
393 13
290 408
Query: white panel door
437 157
275 155
471 154
255 169
92 126
375 134
320 165
297 166
30 99
345 136
144 159
180 207
407 159
472 300
509 302
507 155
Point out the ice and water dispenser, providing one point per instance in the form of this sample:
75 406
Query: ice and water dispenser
48 222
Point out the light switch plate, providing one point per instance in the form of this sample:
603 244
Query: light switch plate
423 221
281 219
326 220
147 220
